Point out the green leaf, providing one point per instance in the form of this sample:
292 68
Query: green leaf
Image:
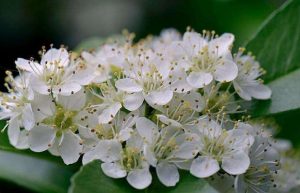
40 172
277 47
90 178
34 173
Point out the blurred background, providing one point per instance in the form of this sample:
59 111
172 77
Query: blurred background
28 25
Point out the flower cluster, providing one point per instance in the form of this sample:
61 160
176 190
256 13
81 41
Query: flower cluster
167 102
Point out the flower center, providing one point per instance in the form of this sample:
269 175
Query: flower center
131 158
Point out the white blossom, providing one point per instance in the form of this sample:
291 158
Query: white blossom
247 84
17 107
56 131
206 58
264 165
220 148
56 73
166 149
164 103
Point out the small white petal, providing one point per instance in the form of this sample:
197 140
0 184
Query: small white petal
168 121
133 101
260 91
113 170
203 167
186 150
23 142
236 164
67 88
128 85
147 129
199 79
54 147
241 92
70 148
109 113
179 83
139 178
53 55
226 71
222 44
39 86
28 65
83 77
193 42
195 100
13 131
167 173
125 134
159 97
41 138
106 151
184 165
150 156
75 102
28 117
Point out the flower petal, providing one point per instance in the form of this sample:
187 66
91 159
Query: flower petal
139 178
39 85
167 173
113 170
28 117
106 151
109 113
70 147
128 85
67 88
199 79
221 45
159 97
203 167
125 134
54 55
241 91
13 131
133 101
150 156
41 138
75 102
23 142
236 164
260 91
28 65
226 71
147 129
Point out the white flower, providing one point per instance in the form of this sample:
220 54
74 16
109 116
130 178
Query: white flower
264 164
150 76
112 101
205 57
119 129
56 73
183 110
221 148
16 106
166 149
57 130
102 60
247 84
128 161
